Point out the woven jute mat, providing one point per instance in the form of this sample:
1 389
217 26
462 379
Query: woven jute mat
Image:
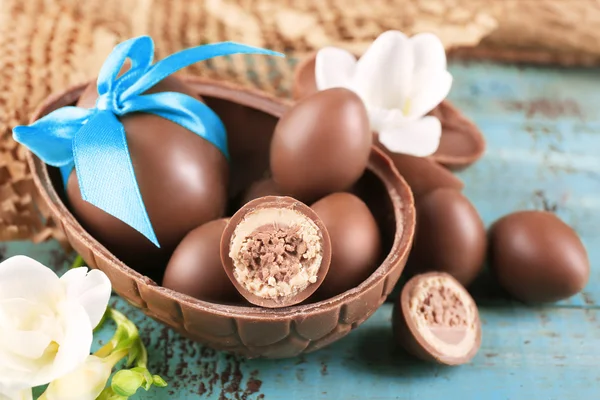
49 45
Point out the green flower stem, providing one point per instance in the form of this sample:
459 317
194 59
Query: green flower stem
127 342
114 358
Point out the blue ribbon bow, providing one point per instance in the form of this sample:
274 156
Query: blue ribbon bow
93 140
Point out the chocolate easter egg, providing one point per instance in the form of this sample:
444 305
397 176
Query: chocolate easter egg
355 242
435 319
537 257
321 145
450 236
182 179
262 188
276 251
195 268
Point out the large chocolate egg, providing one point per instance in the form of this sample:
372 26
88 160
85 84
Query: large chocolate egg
321 145
355 242
195 268
537 257
450 236
182 179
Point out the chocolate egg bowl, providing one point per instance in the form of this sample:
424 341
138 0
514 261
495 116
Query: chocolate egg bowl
250 118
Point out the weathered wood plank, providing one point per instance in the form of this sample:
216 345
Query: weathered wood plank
543 133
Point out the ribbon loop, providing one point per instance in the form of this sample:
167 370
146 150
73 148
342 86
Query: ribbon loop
187 57
90 140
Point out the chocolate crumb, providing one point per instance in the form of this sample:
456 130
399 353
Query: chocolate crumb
253 386
202 388
324 369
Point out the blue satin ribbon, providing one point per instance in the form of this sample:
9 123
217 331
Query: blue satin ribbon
94 141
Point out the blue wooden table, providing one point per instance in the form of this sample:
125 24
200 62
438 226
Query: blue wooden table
543 132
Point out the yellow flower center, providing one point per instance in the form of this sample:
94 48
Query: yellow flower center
50 352
406 108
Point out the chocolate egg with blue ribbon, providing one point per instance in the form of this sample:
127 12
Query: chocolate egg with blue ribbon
143 159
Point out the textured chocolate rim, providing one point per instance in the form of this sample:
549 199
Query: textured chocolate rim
490 52
450 161
275 202
379 164
425 349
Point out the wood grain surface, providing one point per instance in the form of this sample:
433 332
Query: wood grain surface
543 133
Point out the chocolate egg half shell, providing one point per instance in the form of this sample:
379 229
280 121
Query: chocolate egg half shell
321 145
436 319
195 268
182 179
537 257
355 242
276 251
450 236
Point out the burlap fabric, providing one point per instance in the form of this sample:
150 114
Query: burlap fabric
48 45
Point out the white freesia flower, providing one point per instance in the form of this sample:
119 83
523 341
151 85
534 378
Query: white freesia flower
84 383
46 322
400 80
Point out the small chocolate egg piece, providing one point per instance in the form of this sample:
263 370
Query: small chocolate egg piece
355 242
435 319
195 268
182 179
262 188
276 251
536 257
321 145
450 236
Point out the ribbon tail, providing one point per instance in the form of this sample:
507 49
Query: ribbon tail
106 175
187 57
186 111
50 138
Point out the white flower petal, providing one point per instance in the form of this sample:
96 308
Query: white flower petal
383 119
84 383
15 371
24 394
28 344
429 52
383 74
334 67
23 277
19 313
74 347
433 88
90 289
419 138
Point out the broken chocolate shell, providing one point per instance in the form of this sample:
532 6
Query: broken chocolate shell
276 251
461 144
436 319
422 174
250 117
